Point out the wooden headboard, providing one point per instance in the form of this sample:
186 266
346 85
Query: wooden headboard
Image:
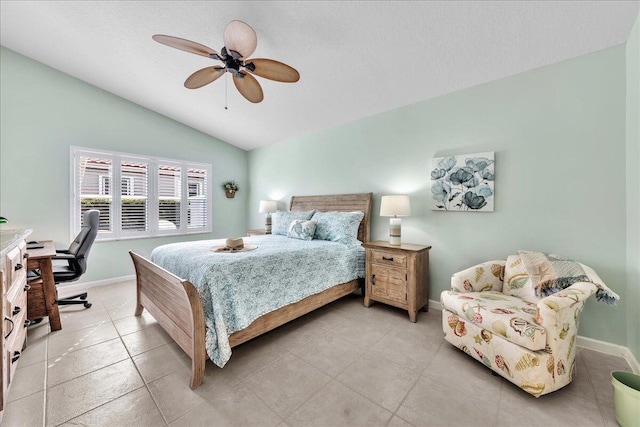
340 203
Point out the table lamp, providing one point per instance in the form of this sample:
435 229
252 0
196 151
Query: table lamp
395 206
267 207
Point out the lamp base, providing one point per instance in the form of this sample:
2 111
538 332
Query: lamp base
395 231
267 223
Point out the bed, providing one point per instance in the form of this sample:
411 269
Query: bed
177 305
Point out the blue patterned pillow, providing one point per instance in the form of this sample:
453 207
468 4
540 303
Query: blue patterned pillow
337 226
281 220
301 229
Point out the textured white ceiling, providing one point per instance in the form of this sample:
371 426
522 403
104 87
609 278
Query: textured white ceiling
356 59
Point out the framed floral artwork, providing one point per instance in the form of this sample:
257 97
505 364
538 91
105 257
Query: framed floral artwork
463 183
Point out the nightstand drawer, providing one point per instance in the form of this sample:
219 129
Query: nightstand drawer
389 284
389 258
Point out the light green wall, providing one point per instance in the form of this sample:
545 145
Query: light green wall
43 112
559 137
633 189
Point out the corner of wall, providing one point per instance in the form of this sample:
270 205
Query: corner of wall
633 188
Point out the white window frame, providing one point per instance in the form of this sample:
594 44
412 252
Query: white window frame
152 195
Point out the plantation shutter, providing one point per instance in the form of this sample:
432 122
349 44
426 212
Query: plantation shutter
134 196
197 198
139 196
169 197
95 178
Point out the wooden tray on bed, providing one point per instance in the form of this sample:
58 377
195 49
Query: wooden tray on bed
176 306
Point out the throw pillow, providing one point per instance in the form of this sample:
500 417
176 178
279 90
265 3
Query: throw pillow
281 220
517 282
301 229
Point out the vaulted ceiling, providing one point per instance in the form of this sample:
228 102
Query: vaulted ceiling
355 59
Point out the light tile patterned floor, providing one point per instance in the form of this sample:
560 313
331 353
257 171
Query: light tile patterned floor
341 365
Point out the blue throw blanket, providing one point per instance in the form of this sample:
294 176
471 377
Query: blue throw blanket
551 273
237 288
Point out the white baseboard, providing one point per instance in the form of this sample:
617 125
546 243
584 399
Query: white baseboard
609 348
631 360
434 305
78 288
589 344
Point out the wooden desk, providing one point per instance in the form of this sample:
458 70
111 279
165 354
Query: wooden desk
41 259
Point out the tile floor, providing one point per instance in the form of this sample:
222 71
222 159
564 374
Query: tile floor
341 365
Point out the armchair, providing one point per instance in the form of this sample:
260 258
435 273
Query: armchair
492 314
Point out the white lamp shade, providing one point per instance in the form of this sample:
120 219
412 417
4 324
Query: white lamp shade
268 206
395 206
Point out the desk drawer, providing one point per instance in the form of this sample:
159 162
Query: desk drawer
23 251
16 266
16 303
15 343
389 258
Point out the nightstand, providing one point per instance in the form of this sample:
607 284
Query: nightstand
258 232
398 276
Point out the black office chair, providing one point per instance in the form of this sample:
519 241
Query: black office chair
76 257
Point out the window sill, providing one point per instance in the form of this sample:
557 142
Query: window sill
115 239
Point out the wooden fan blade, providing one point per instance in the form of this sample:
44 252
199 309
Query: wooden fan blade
204 77
249 87
274 70
184 44
241 38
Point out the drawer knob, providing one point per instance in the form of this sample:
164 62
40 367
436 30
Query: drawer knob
26 255
16 310
373 279
27 323
27 287
16 356
384 258
12 327
17 267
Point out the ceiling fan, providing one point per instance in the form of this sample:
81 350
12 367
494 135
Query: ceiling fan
240 42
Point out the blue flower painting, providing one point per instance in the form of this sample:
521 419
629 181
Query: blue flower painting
463 183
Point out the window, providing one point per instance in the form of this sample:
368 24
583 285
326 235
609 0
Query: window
157 197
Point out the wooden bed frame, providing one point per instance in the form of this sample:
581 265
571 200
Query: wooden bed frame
176 306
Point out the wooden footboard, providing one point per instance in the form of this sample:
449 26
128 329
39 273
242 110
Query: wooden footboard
176 306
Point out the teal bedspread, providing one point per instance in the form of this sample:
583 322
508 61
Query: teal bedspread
237 288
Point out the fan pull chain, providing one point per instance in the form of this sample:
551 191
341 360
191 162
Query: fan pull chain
226 86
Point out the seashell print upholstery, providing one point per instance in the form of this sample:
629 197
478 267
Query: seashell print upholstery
530 342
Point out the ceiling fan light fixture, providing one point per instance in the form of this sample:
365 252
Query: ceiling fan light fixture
241 38
240 43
